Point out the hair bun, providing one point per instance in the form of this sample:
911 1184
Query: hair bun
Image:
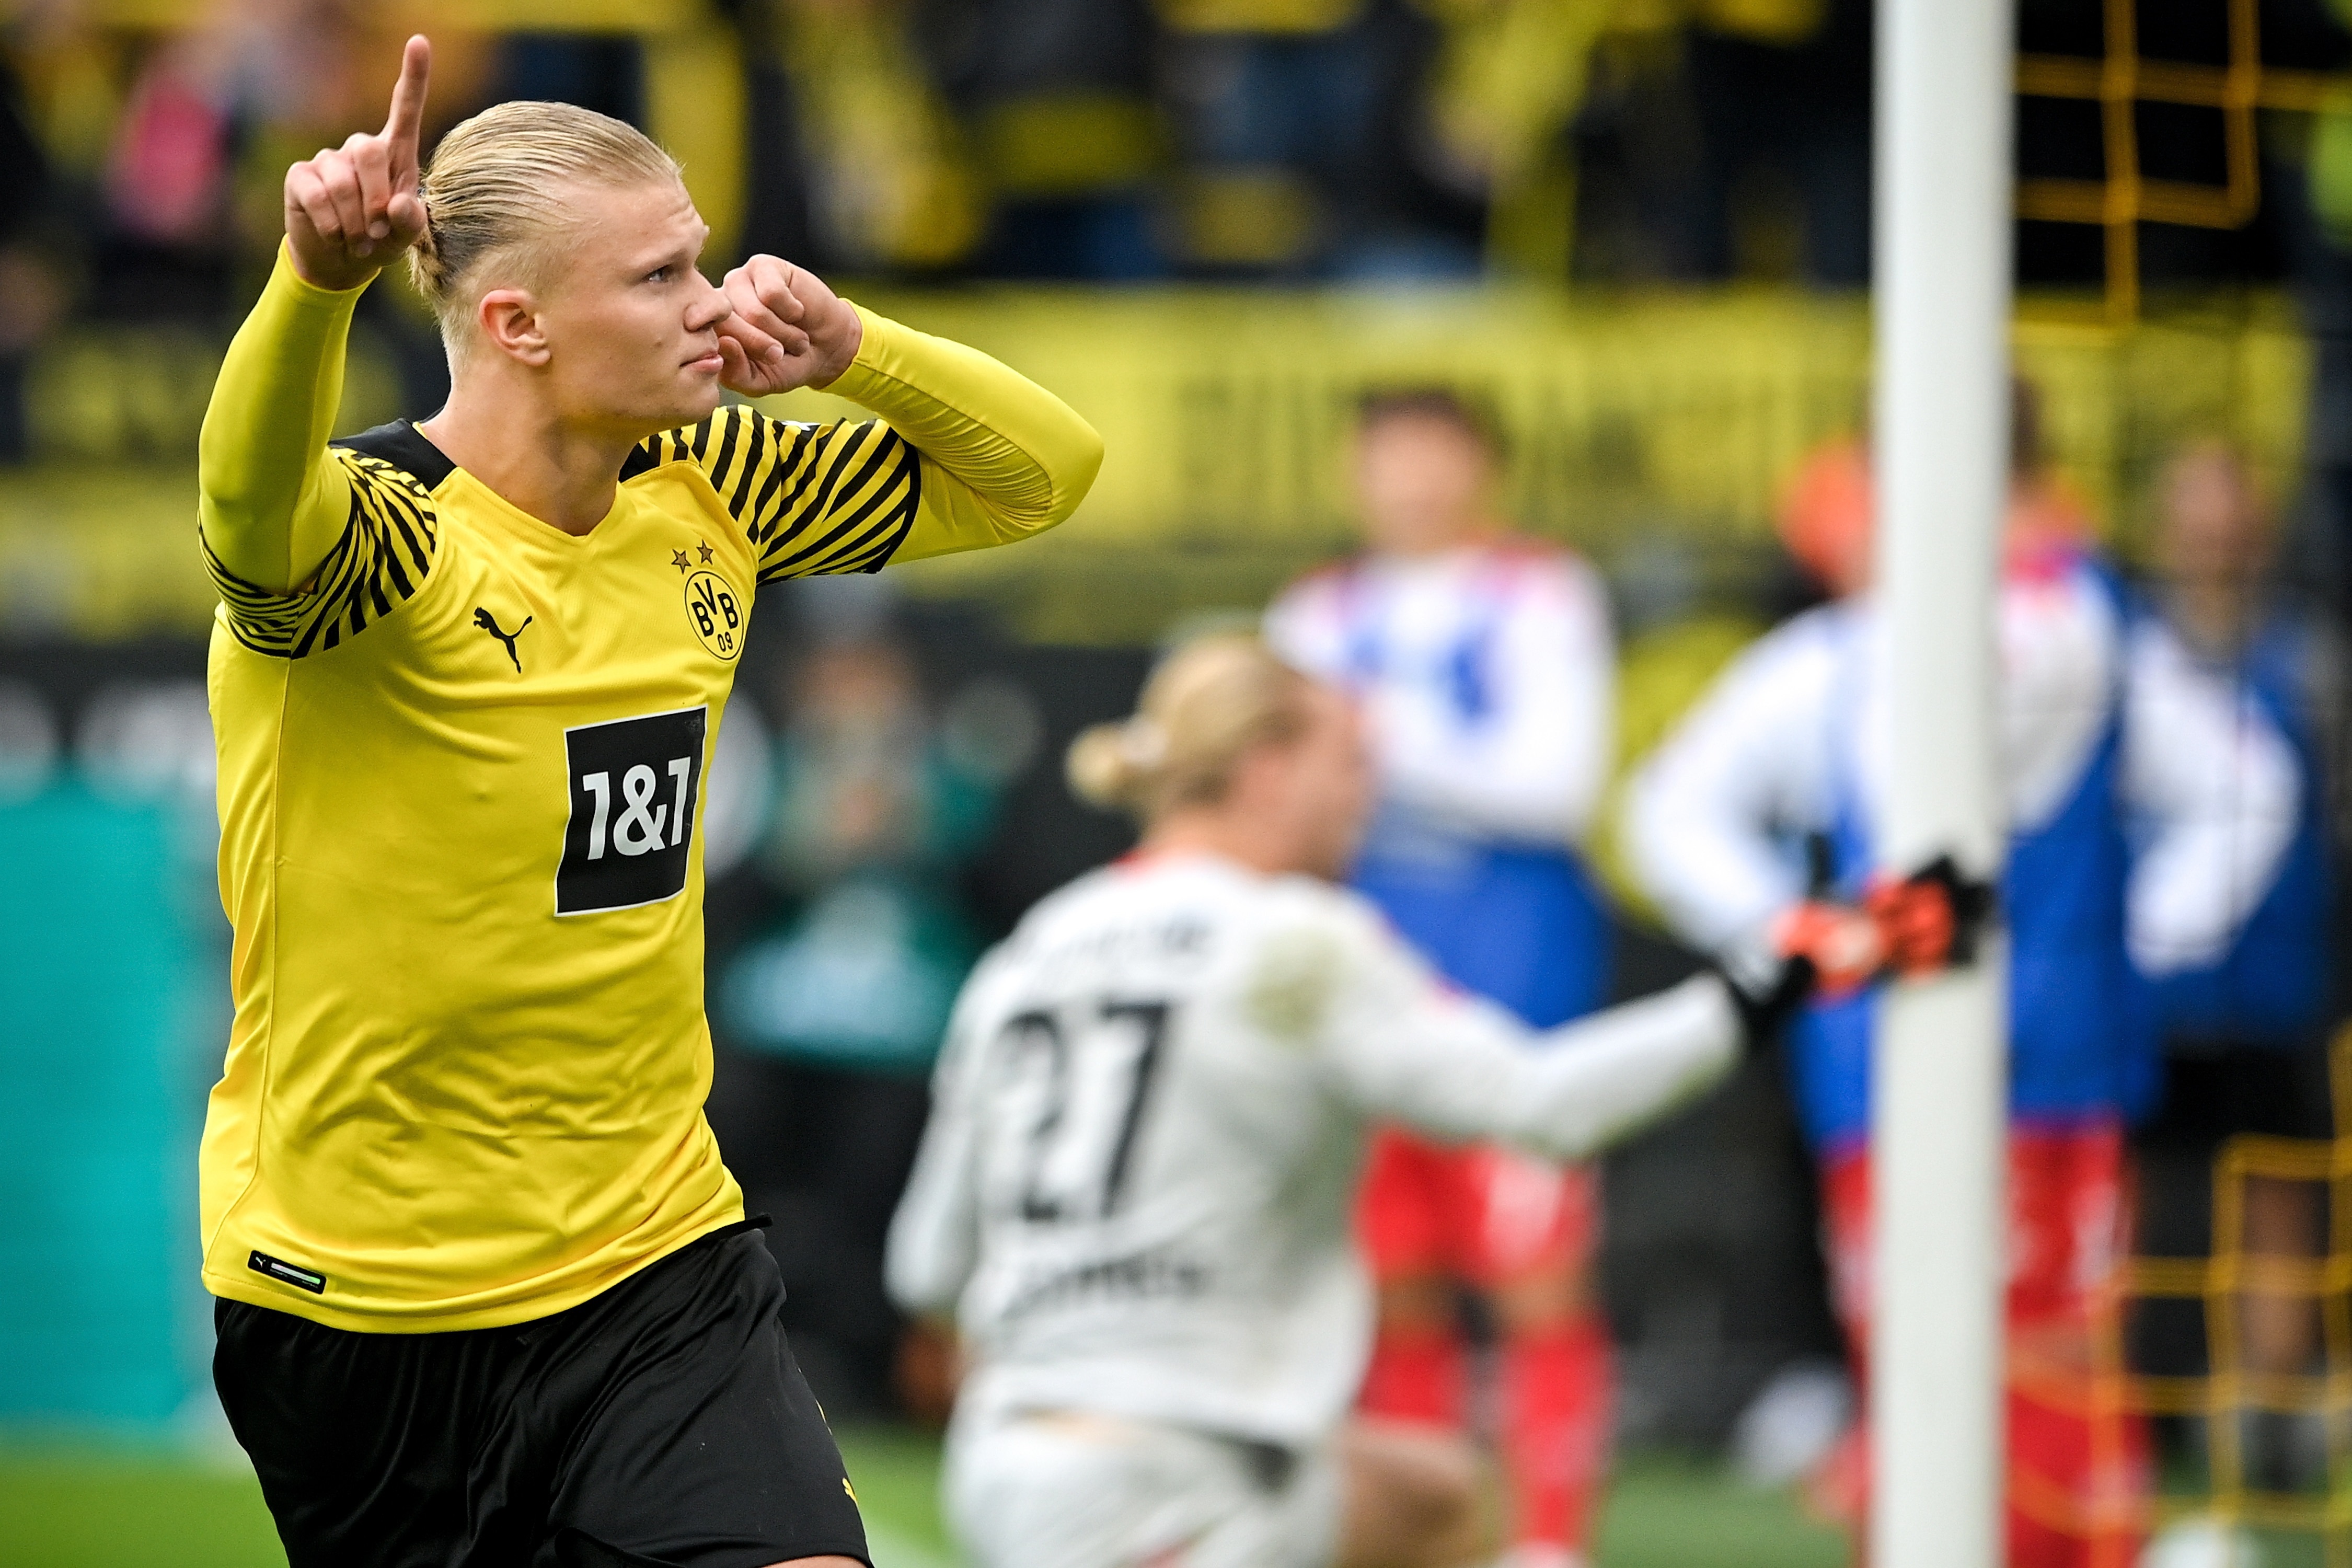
1206 705
1103 767
1143 744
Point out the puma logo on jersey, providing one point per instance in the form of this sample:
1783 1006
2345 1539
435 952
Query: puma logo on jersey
483 619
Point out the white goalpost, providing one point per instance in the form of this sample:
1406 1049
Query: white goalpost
1941 304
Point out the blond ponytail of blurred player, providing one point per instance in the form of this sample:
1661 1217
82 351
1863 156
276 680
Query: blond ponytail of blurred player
1206 705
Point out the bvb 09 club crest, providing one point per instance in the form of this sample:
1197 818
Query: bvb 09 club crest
716 614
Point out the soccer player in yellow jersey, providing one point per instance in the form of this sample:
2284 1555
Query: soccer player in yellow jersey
487 1295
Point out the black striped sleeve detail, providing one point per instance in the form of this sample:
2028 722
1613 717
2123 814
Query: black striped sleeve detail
383 558
814 500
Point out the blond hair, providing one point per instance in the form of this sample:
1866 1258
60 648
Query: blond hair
1208 704
501 186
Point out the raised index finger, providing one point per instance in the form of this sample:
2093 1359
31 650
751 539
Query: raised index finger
405 125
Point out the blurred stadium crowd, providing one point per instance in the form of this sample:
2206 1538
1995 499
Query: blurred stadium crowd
1615 141
889 799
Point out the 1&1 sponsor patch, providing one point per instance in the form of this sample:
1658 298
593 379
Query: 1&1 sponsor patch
636 784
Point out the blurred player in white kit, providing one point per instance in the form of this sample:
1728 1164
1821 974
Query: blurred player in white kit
1149 1121
1485 667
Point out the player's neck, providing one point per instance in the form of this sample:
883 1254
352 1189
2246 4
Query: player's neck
540 464
2213 611
1232 836
1439 548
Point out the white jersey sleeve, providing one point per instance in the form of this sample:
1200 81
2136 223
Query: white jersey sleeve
1709 816
934 1242
2215 793
1403 1045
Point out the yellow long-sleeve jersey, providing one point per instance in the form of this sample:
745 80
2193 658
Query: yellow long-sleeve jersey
462 757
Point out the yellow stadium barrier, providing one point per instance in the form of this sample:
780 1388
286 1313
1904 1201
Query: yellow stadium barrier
1659 427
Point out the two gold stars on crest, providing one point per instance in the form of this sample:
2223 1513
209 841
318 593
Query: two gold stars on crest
678 557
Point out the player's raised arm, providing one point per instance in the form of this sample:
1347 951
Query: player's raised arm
1454 1066
1002 457
271 507
969 453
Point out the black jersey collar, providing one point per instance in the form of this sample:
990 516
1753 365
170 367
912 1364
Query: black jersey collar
406 447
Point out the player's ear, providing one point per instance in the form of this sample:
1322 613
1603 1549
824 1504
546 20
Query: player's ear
509 319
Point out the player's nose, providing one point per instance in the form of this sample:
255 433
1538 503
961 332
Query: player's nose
708 308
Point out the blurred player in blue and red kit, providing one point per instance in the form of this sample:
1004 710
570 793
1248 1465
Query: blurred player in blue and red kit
1484 667
2144 805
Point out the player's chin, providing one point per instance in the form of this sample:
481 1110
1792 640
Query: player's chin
696 393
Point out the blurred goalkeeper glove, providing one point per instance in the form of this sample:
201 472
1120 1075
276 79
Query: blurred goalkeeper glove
1909 926
1768 988
1931 920
1815 947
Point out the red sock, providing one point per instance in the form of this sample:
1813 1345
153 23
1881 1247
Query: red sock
1417 1373
2078 1481
1557 1385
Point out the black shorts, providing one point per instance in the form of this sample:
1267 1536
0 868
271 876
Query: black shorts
2212 1096
663 1421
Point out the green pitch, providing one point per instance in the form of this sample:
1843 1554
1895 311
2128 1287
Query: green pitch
89 1510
